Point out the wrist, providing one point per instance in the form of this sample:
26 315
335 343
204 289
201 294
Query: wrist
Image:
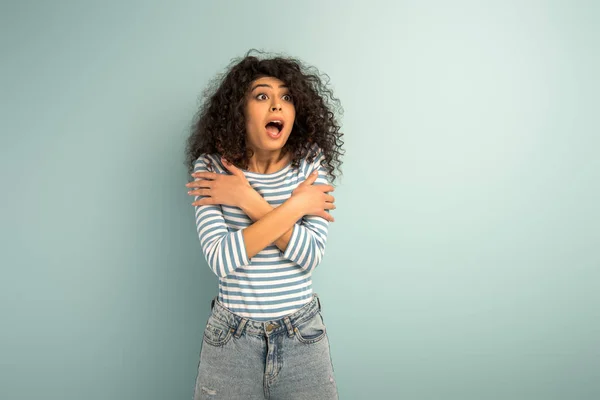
295 204
246 195
255 206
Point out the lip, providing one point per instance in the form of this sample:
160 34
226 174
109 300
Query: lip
275 118
276 136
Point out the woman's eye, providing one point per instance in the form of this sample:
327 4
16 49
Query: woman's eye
263 95
289 97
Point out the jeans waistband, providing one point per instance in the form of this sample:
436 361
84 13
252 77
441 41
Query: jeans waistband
287 323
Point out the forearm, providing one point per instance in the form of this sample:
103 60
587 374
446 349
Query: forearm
272 226
256 207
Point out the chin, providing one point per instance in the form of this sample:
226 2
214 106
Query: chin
275 143
274 146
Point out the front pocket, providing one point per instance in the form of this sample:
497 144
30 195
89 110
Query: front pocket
311 331
217 334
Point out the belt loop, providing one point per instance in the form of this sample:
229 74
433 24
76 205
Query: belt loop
288 325
240 328
318 301
212 303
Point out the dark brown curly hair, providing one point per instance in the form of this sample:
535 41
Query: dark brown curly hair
219 126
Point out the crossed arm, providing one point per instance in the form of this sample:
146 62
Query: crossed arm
256 207
225 250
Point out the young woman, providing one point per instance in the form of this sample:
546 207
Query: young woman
264 151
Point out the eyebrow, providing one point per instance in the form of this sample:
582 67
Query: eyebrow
265 85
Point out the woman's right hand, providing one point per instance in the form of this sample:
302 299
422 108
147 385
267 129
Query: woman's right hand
313 199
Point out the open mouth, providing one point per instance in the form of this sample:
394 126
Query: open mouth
274 128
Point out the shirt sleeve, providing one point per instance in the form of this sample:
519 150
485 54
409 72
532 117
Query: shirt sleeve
309 237
223 248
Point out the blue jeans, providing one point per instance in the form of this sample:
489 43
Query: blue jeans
283 359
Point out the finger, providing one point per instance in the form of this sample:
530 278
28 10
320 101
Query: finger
199 192
205 175
325 188
207 201
330 206
203 183
329 198
311 178
230 167
326 216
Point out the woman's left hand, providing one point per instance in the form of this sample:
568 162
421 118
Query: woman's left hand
223 189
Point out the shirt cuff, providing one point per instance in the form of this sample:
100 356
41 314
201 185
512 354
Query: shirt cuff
241 248
293 243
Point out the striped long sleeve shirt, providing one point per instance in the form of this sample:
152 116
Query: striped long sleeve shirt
273 283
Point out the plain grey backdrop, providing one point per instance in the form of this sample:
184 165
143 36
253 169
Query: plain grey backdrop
464 260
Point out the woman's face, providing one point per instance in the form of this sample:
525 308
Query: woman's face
269 114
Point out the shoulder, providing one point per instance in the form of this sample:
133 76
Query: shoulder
314 160
314 157
208 162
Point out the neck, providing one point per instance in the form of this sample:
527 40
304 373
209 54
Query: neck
268 162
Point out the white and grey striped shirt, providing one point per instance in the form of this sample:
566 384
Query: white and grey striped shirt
271 284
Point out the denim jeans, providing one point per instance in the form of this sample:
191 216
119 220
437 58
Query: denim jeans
283 359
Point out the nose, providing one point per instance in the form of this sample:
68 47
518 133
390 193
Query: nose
276 107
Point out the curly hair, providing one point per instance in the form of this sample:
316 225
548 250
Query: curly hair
219 126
